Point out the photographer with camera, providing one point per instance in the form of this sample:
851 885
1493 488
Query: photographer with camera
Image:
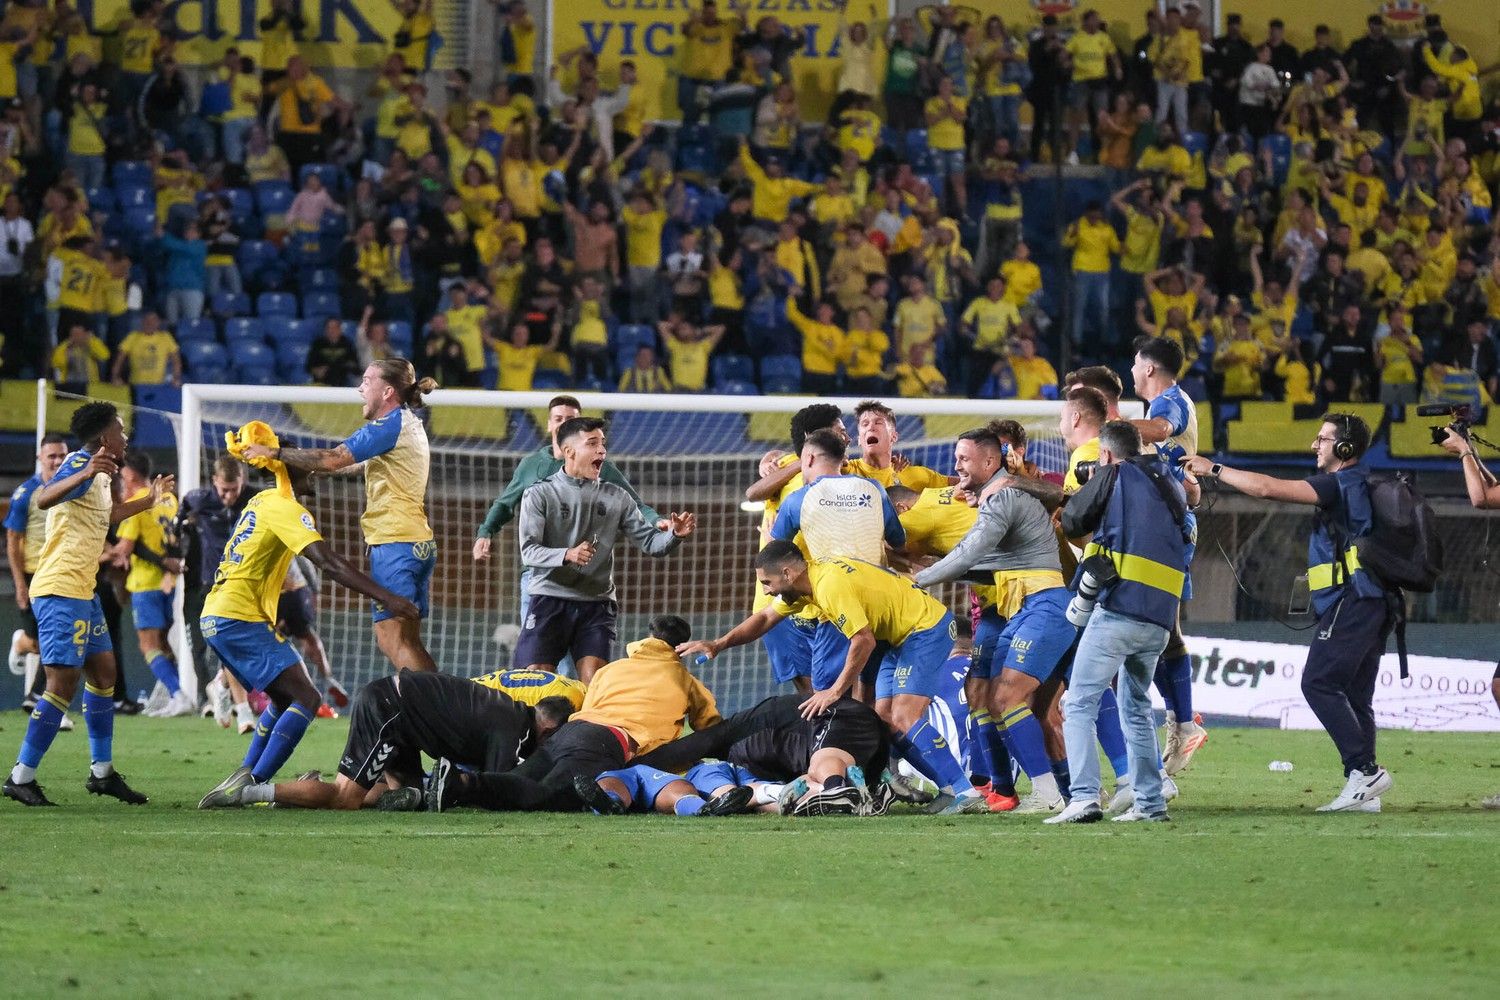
1129 586
1354 609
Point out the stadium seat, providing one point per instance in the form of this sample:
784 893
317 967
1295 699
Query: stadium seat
140 223
593 385
241 202
134 173
674 432
273 197
1196 143
781 366
239 329
298 331
255 256
736 387
732 368
199 355
227 304
781 385
291 357
549 381
318 279
212 375
102 199
633 335
1281 155
257 376
203 328
151 427
331 176
320 305
275 304
915 142
399 332
697 160
250 354
132 196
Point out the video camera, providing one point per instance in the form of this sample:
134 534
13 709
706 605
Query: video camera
1463 419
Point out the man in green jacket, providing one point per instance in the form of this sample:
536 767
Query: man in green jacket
537 466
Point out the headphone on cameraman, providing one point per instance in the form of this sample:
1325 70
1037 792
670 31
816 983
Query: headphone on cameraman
1345 447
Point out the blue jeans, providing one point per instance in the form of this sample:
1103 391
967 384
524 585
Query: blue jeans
1111 645
1005 112
183 303
89 169
1090 307
232 135
224 278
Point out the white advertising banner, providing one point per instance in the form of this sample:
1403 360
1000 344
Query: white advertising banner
1263 680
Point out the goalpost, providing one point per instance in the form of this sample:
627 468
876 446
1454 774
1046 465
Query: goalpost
681 452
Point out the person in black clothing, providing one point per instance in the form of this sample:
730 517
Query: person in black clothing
1050 70
771 44
1140 75
205 520
1284 57
1332 290
1322 55
1373 62
1348 360
332 360
1465 297
1232 53
1475 350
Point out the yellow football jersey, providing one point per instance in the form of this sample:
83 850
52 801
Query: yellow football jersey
530 686
395 454
247 584
855 595
1086 452
150 529
768 519
913 477
76 529
937 522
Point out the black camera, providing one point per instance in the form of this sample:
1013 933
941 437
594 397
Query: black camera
1463 419
1084 471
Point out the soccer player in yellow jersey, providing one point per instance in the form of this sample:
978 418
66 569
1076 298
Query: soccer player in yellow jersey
530 686
392 447
239 614
936 520
869 604
81 504
877 436
789 644
148 545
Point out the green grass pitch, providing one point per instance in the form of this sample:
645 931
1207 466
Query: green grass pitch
1247 893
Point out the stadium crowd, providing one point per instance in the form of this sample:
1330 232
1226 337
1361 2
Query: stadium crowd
1311 226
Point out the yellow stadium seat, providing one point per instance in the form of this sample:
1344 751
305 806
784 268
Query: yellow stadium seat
1261 410
773 427
1270 437
489 422
330 420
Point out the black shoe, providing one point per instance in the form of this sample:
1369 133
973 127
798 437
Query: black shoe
442 787
28 794
129 708
841 801
735 800
596 798
112 784
879 802
404 799
28 704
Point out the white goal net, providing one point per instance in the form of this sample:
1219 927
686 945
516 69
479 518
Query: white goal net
680 452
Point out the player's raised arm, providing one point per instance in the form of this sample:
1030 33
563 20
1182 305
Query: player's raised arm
747 631
66 484
311 459
338 568
652 540
160 487
770 485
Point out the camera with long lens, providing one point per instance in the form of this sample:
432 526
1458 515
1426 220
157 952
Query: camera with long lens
1094 574
1462 419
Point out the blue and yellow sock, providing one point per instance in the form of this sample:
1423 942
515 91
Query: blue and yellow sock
1111 736
99 719
283 739
41 730
980 764
1023 738
165 670
931 747
688 805
1002 776
909 753
263 727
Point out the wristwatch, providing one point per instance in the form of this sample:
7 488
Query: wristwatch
1216 470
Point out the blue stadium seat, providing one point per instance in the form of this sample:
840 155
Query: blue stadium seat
273 197
291 357
202 328
318 279
140 222
200 355
257 376
136 173
400 335
632 335
781 385
293 331
275 304
916 142
210 375
333 228
239 329
230 304
673 432
256 257
592 384
732 368
549 381
101 199
697 160
781 366
132 196
695 135
735 387
1196 143
937 182
251 355
241 202
320 305
331 176
151 428
1281 155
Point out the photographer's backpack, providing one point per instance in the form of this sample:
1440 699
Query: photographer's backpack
1402 548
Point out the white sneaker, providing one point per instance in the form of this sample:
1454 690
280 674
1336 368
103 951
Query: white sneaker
1370 806
1134 815
32 665
17 659
66 725
1168 789
246 719
179 705
1123 800
1358 790
1033 804
1493 802
1185 741
1078 811
1072 159
157 702
221 704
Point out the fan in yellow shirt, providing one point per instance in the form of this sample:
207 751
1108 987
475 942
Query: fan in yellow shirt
1240 359
771 191
517 359
1033 372
824 346
76 361
149 352
688 350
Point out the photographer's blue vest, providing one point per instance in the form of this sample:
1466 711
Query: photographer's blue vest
1332 562
1146 544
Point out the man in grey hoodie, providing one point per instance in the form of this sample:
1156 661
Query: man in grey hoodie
568 527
